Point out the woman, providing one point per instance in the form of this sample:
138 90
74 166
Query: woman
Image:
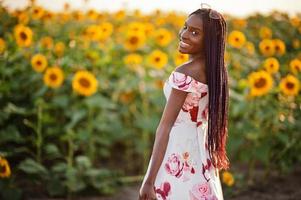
189 148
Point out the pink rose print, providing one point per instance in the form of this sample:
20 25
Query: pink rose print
182 81
163 191
174 165
195 86
191 101
200 191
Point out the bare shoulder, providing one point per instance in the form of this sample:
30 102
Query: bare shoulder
192 69
186 68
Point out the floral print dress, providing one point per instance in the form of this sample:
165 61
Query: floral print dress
186 172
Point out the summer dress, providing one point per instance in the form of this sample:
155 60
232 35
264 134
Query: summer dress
186 172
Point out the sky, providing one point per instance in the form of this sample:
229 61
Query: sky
239 8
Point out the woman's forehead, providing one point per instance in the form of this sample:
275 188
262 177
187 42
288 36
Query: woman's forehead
194 21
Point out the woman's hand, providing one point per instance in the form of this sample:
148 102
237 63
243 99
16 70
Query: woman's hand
147 192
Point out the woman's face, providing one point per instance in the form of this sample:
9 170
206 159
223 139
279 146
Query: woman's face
191 36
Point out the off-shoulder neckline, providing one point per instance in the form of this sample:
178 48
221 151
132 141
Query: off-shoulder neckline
190 77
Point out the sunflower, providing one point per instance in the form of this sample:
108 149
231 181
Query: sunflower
180 58
106 30
4 168
295 21
134 40
2 46
239 23
279 47
162 37
159 84
250 48
84 83
227 178
92 32
271 65
92 14
267 47
54 77
236 39
132 61
260 82
127 97
23 35
39 62
23 18
48 16
148 28
119 15
78 15
59 49
296 43
295 66
136 27
289 85
265 33
157 59
37 12
46 42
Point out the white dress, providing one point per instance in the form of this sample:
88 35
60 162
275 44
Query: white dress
186 172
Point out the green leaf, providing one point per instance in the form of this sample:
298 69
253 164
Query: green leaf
52 151
74 182
32 167
76 116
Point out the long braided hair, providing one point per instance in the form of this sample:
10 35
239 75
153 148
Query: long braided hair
214 42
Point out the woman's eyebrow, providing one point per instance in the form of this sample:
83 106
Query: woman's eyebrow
193 27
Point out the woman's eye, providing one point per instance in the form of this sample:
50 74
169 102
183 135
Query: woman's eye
194 33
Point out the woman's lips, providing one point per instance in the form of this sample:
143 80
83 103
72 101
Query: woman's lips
183 44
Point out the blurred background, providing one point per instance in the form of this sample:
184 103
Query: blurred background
81 95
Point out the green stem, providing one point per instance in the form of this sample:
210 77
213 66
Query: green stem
70 157
91 147
145 135
251 171
70 148
39 141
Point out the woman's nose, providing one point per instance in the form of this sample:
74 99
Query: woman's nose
183 34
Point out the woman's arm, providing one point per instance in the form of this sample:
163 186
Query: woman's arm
170 113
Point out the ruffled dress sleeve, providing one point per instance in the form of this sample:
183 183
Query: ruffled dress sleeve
180 81
185 83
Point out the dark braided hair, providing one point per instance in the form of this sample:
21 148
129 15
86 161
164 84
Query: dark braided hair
217 75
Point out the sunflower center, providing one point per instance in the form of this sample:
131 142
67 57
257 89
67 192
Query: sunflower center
39 62
271 65
277 47
133 40
267 48
297 67
237 39
157 59
290 85
84 82
2 169
261 82
53 77
23 36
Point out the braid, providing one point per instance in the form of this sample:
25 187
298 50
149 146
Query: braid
217 75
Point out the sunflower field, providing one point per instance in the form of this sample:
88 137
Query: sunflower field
81 96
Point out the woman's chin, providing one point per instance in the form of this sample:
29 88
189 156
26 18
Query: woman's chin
181 50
